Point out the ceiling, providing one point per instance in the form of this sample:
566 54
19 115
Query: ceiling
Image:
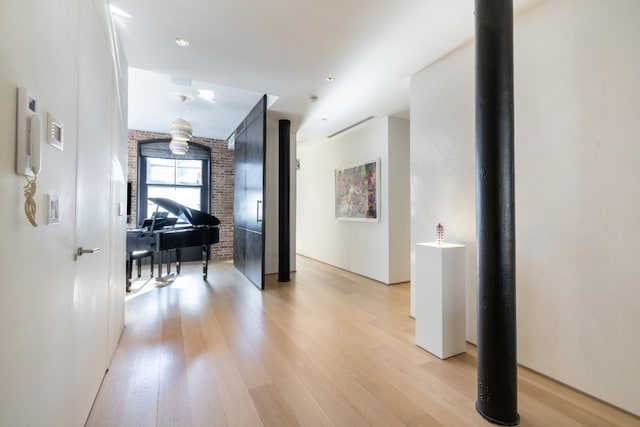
242 49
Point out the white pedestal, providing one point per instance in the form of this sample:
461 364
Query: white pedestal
440 298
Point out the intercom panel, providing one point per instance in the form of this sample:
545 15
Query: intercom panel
28 135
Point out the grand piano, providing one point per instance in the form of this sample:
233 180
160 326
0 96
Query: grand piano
161 234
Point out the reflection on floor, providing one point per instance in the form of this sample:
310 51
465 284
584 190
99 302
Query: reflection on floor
327 348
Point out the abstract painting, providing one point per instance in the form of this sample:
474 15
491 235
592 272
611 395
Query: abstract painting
357 192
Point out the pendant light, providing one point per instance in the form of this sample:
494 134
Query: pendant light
181 132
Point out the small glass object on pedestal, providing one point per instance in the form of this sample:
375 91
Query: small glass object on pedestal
439 234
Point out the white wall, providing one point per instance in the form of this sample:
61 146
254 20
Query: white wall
442 162
361 247
117 243
39 44
577 195
399 202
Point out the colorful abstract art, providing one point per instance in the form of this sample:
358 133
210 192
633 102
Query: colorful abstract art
357 192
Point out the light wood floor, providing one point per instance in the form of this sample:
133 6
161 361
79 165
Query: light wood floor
328 348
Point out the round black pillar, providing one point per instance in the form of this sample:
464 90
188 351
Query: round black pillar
284 184
495 204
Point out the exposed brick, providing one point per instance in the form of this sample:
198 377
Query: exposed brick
221 185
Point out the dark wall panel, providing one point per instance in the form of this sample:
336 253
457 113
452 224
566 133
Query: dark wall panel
249 171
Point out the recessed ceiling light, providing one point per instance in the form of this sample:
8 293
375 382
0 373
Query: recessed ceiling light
119 12
330 79
207 94
182 42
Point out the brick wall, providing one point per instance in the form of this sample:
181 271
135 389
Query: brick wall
221 186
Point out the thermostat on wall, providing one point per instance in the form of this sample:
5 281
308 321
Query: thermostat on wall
55 132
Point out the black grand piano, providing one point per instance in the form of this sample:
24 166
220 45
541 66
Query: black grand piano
161 234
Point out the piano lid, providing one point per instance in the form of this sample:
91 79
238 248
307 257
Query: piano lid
192 216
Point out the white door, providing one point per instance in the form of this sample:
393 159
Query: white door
91 296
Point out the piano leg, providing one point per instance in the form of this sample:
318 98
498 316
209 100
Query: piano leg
159 265
129 268
169 277
178 259
205 261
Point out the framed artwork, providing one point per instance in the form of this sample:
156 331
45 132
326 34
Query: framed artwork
357 192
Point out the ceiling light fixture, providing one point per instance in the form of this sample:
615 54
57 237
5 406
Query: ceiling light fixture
181 132
182 42
330 79
207 94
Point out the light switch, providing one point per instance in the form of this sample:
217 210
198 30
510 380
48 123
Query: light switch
54 209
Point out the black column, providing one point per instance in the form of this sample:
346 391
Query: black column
284 179
495 203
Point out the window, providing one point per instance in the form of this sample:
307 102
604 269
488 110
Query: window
184 179
179 180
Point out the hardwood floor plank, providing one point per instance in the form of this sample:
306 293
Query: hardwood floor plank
145 332
555 390
425 421
443 404
204 397
333 403
276 358
326 331
328 348
561 407
345 351
271 407
173 393
372 410
236 401
107 411
236 336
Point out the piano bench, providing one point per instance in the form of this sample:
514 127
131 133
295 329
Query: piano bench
137 256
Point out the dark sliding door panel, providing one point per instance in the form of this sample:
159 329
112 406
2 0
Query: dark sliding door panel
239 248
249 169
254 258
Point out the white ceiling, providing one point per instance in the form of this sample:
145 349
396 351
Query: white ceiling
285 48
